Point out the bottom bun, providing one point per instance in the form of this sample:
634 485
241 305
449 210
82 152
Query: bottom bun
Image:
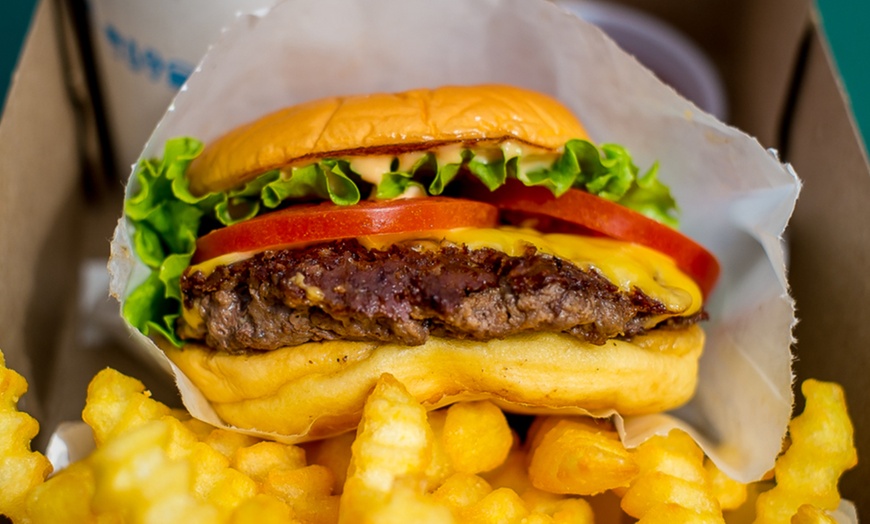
318 389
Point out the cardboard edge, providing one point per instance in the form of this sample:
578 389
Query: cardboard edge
837 188
38 136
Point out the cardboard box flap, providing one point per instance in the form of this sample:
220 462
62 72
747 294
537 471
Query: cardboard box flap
39 194
830 246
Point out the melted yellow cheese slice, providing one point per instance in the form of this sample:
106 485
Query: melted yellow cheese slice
626 265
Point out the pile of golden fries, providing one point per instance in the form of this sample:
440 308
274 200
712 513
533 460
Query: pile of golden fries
462 464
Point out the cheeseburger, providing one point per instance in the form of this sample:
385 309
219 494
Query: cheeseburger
469 240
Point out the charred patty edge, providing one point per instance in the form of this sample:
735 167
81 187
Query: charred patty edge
407 293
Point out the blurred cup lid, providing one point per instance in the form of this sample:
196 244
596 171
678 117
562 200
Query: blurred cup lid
675 59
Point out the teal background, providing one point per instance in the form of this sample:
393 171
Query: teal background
846 23
14 19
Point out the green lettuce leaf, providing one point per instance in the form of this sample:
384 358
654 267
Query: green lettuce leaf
651 197
492 174
167 218
444 174
326 180
610 173
393 185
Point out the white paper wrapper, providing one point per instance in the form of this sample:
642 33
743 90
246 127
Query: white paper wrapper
735 196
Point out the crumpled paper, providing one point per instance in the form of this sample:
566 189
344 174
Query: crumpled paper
736 197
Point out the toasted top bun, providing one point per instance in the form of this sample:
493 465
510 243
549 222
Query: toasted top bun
380 124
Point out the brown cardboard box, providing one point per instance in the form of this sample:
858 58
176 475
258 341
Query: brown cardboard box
782 89
55 213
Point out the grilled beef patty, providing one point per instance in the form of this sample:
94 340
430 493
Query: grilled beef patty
404 294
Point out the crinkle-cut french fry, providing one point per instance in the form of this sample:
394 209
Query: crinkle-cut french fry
676 455
513 473
116 402
821 450
136 479
20 468
540 501
672 513
541 425
306 490
476 436
394 438
334 453
229 442
656 488
317 510
261 458
199 428
394 442
559 508
213 480
461 464
537 518
405 504
154 467
440 467
579 456
730 493
502 505
262 509
64 498
573 511
809 514
461 491
672 483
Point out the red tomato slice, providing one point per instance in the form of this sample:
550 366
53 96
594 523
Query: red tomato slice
303 223
581 212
